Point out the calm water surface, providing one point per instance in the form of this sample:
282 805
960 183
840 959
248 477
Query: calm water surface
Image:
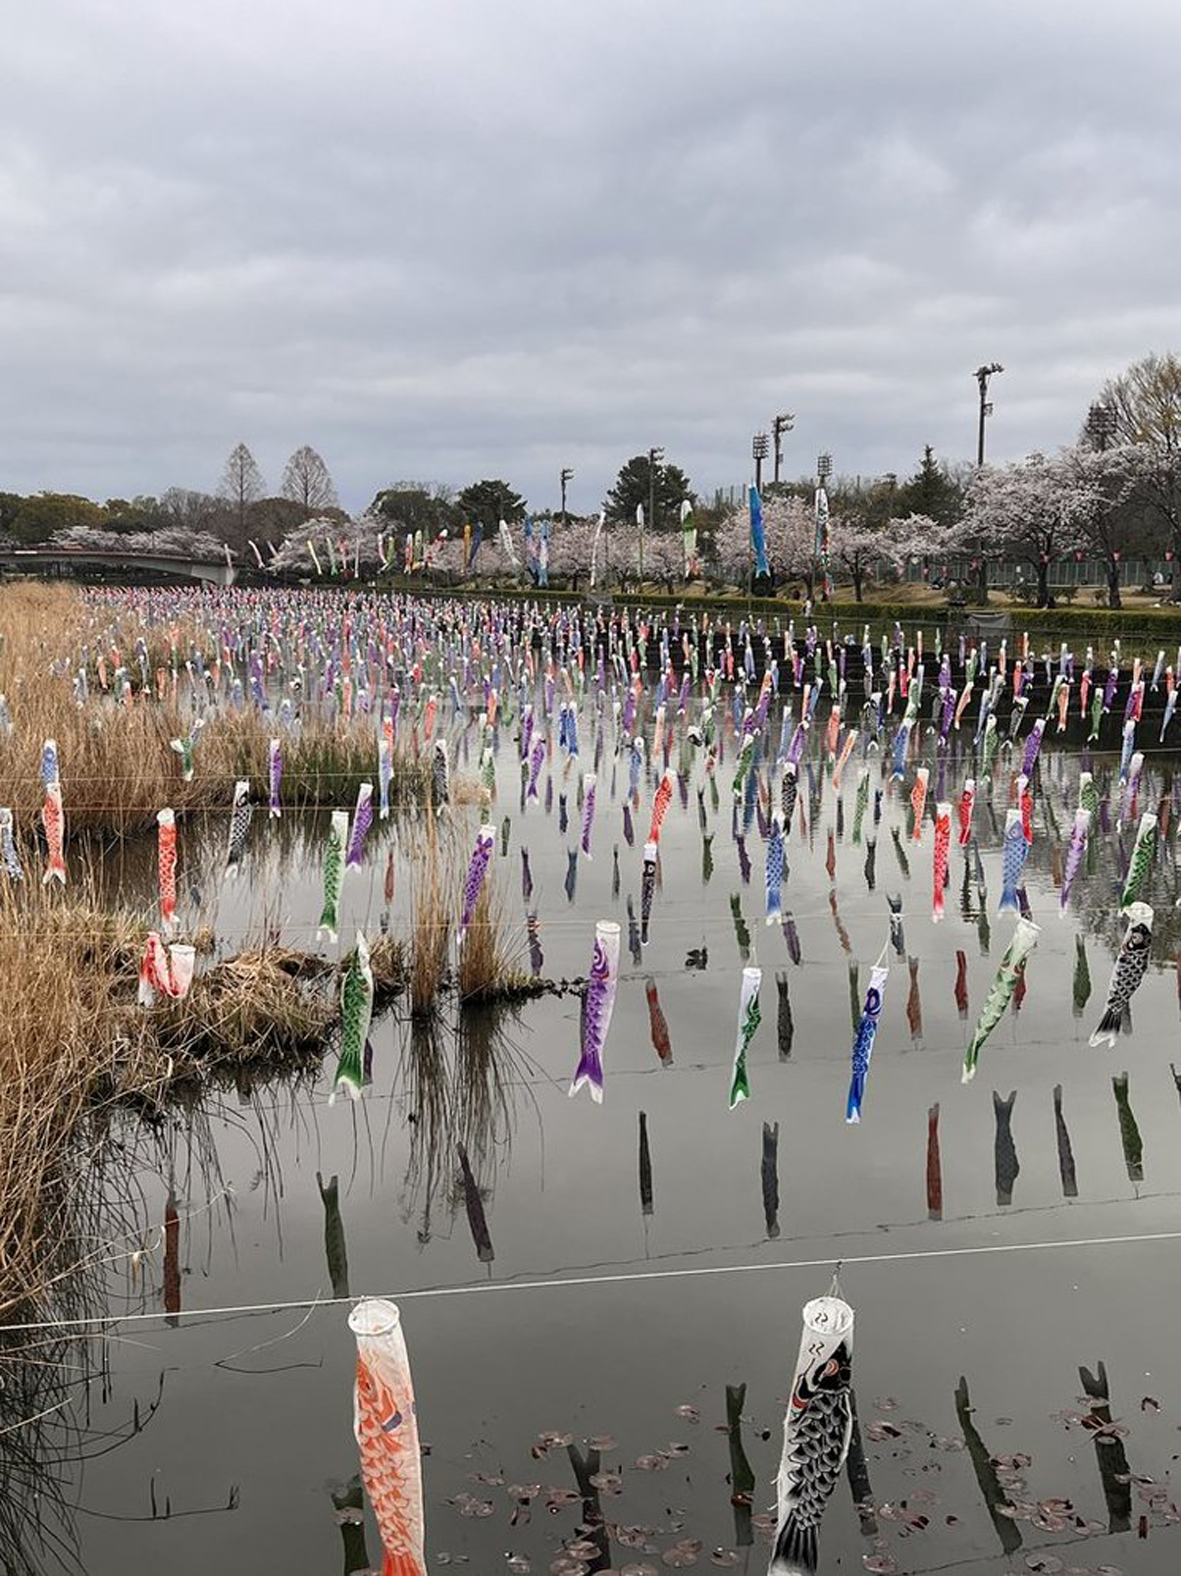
580 1319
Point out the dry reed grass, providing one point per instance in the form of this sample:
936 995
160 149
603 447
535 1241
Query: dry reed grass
74 1044
117 765
432 881
488 969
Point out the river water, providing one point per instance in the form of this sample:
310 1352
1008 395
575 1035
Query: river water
624 1301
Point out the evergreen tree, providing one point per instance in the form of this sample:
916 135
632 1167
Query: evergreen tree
932 491
491 502
635 484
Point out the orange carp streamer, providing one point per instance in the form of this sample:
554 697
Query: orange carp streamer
385 1423
166 860
660 804
53 818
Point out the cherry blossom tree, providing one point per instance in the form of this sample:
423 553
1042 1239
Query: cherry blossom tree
351 545
861 549
1107 478
790 530
172 541
1032 511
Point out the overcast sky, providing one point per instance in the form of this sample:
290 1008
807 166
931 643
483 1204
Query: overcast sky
459 238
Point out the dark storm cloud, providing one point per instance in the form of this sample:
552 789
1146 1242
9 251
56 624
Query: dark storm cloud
445 239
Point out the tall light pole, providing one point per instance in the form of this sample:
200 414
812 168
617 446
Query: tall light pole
780 425
760 446
566 476
820 546
1100 429
1101 424
655 458
982 376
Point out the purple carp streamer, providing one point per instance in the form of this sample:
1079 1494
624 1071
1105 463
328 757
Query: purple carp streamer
817 1429
600 1004
1001 992
476 870
867 1029
362 821
588 811
1079 836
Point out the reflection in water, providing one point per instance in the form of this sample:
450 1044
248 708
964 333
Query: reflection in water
934 1166
897 934
769 1172
742 1478
994 1495
785 1025
914 1002
646 1204
858 1471
1082 977
461 1107
171 1260
1004 1149
1065 1149
854 995
1110 1455
961 983
1129 1131
348 1503
586 1470
334 1244
741 933
658 1024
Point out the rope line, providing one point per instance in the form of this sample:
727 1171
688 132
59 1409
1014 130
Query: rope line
101 1321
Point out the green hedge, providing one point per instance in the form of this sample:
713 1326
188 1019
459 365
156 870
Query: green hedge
1090 625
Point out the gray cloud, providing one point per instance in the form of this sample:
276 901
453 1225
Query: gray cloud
453 238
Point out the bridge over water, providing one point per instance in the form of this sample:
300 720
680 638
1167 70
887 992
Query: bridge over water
72 560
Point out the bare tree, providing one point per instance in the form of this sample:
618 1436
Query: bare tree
306 481
1146 401
241 485
189 510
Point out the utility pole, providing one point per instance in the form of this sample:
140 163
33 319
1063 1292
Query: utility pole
759 446
779 426
982 376
566 476
655 458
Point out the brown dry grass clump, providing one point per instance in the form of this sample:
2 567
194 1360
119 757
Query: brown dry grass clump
74 1043
488 970
432 883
